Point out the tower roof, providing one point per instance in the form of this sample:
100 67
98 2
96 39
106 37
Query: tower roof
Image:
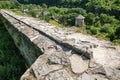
80 17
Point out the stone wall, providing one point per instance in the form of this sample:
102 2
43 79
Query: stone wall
28 49
67 55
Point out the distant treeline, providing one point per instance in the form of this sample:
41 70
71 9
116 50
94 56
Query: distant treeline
101 16
97 6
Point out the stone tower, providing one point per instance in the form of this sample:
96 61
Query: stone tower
79 20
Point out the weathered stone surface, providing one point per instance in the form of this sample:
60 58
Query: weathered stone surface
57 34
77 64
28 75
85 76
83 50
59 75
45 69
112 73
99 77
59 58
105 73
58 45
99 70
93 64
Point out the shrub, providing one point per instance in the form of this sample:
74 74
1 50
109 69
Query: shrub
105 28
93 30
90 19
117 33
33 13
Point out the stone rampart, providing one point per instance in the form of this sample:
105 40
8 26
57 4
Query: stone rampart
61 54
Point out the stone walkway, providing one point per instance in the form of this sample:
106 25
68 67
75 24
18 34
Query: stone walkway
72 56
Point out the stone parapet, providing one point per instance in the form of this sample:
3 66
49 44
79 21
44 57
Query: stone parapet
61 54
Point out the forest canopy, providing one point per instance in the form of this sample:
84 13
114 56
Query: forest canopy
101 16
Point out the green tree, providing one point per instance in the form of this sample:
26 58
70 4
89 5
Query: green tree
117 33
90 18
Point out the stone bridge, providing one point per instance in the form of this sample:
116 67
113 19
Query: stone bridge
55 53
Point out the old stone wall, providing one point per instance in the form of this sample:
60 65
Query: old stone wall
28 49
67 55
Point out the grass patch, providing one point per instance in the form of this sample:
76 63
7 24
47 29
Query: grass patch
55 23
